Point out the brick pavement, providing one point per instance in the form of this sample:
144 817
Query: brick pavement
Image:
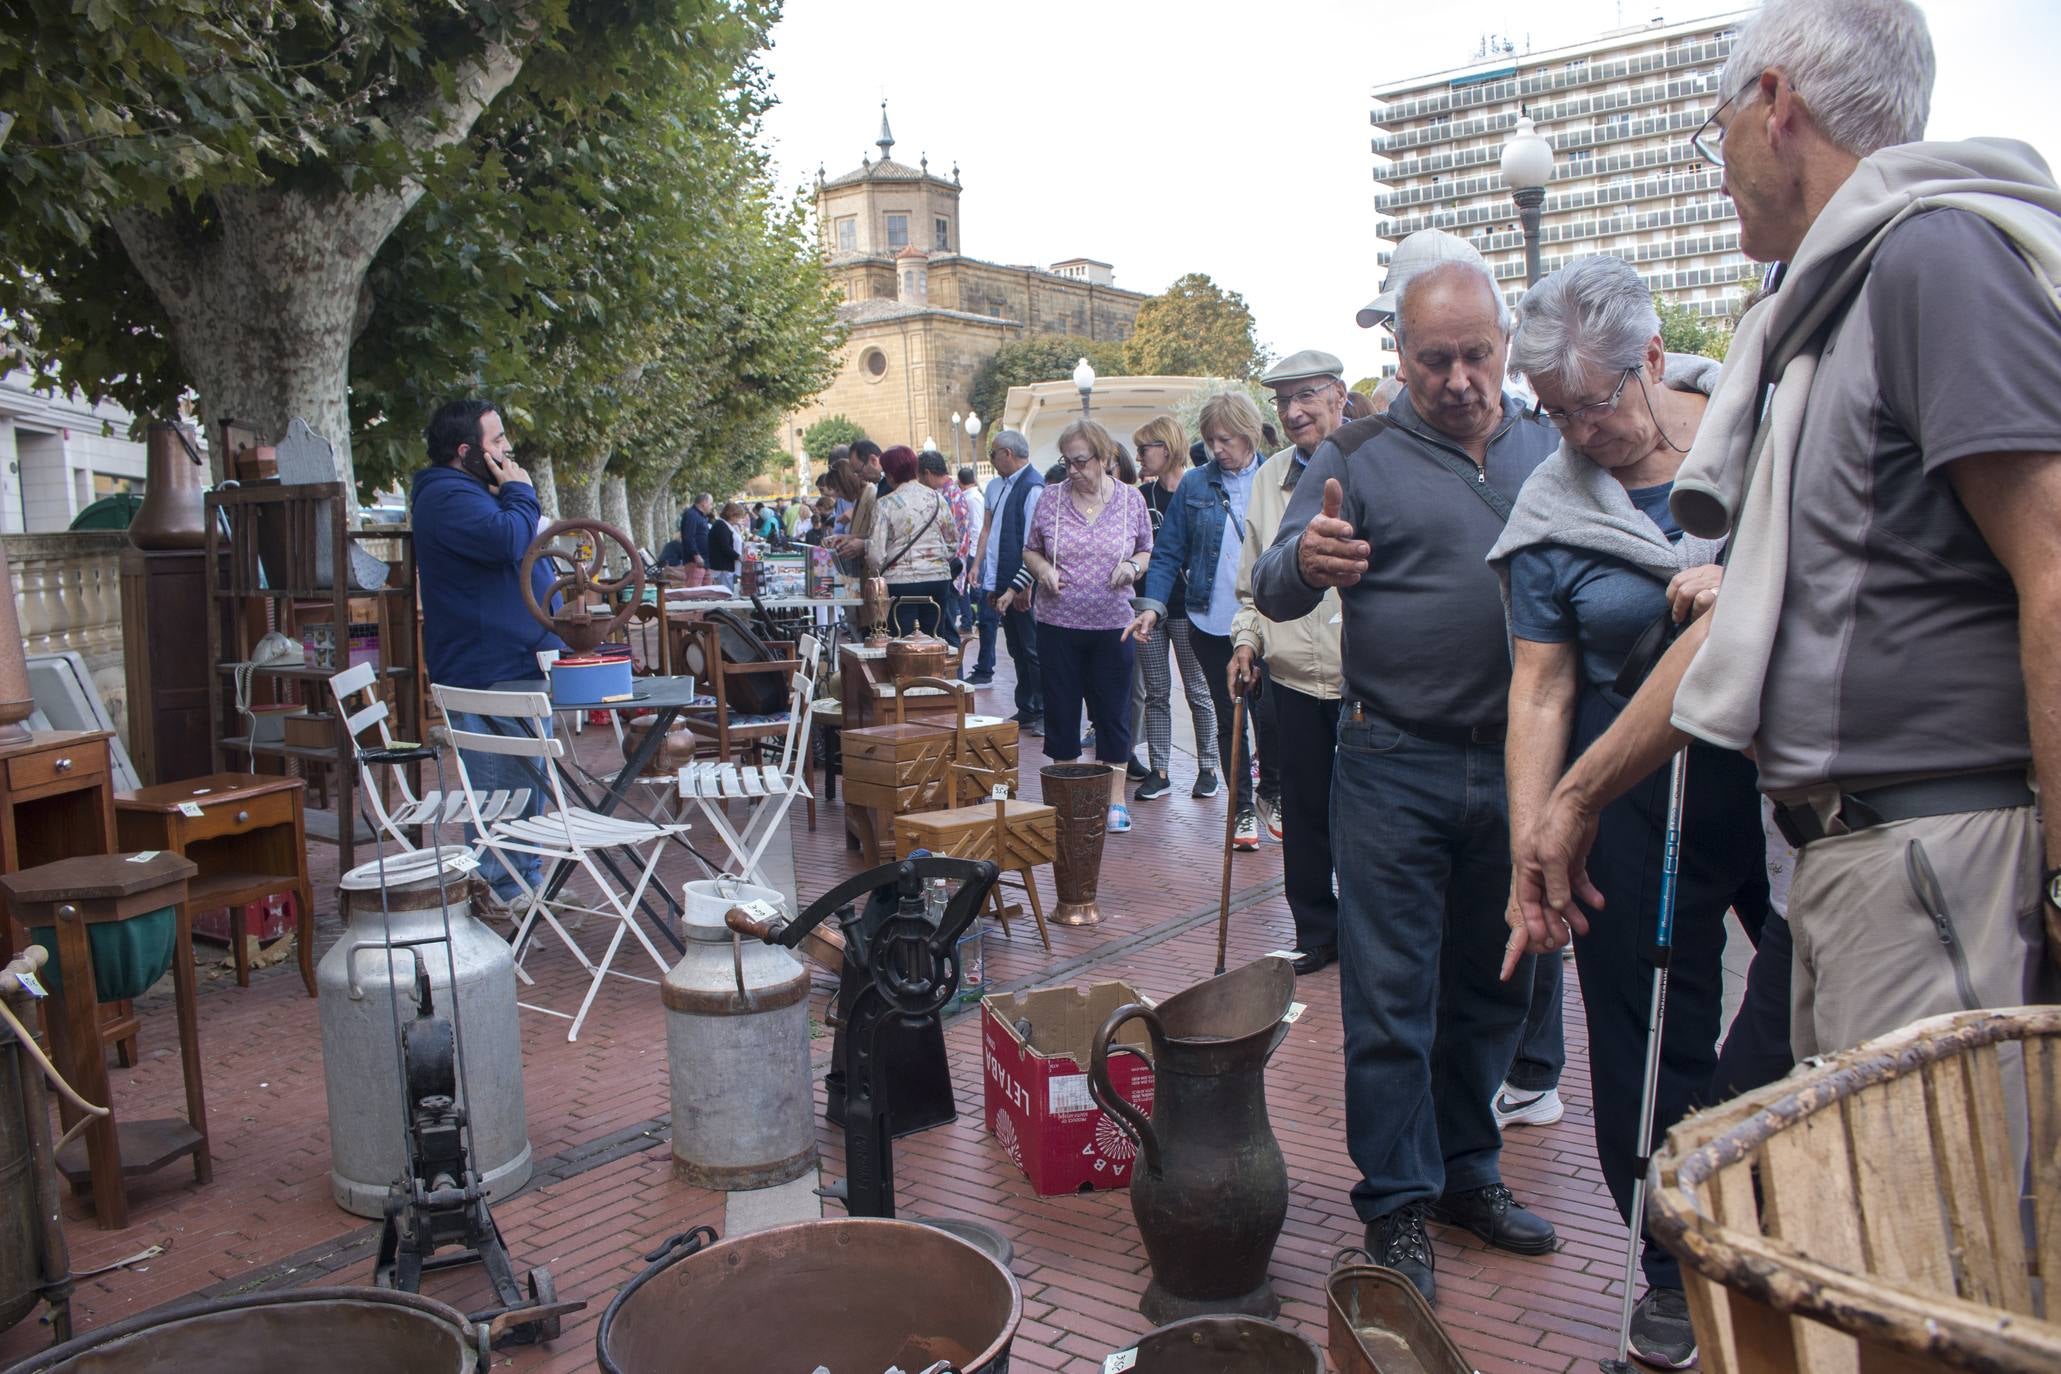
603 1194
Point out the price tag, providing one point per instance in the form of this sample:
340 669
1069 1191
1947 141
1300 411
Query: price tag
1294 1014
1000 792
1282 954
1120 1361
145 857
30 985
191 809
464 863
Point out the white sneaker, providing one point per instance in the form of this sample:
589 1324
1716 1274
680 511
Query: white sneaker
1516 1107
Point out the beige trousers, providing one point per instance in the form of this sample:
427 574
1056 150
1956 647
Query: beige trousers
1871 956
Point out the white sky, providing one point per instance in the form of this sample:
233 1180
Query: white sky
1134 132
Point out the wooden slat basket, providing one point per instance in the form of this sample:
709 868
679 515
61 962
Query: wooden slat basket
1871 1215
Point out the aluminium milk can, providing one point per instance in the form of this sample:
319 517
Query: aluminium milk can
737 1041
359 979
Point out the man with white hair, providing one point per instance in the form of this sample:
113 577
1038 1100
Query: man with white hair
1398 512
1887 636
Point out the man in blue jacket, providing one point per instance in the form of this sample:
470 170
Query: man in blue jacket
694 523
475 513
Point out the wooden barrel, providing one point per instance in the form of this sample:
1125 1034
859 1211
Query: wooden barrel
1864 1215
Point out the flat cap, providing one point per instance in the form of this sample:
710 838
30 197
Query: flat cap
1425 248
1311 362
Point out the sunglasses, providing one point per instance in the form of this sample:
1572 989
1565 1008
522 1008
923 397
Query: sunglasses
1079 461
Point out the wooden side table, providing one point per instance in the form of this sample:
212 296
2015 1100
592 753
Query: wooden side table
73 895
56 801
247 836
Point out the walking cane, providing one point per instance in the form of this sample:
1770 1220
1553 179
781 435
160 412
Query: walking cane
1230 825
1664 940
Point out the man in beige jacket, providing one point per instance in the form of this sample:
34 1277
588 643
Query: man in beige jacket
1301 657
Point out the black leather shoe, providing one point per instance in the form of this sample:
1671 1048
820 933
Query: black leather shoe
1398 1241
1494 1215
1322 957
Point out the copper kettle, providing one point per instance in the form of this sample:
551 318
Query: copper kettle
916 654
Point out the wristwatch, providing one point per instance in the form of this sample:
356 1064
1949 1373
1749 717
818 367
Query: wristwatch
2054 888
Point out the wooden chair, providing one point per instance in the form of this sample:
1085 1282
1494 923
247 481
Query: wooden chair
702 659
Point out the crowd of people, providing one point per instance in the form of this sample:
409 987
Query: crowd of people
1483 622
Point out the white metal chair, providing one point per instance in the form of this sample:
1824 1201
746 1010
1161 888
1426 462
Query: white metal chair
767 789
563 834
426 812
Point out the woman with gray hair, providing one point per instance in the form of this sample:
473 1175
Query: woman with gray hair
1596 573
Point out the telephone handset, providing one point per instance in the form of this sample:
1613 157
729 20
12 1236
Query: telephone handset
275 650
475 463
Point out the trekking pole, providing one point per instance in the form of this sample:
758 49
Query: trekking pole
1664 940
1231 777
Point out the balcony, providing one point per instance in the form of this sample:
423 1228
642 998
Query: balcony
1547 82
1701 87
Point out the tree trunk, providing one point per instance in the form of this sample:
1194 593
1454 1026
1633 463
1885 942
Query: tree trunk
579 490
650 505
265 298
546 482
615 510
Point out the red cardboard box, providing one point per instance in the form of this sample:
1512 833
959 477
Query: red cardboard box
1038 1105
267 919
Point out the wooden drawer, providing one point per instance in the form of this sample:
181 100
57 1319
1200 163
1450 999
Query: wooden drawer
88 760
231 817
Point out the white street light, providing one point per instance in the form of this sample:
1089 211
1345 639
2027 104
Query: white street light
1084 382
929 444
1527 167
973 426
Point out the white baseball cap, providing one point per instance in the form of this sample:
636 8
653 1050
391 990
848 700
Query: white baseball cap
1425 248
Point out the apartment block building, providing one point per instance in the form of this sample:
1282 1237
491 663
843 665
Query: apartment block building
1619 111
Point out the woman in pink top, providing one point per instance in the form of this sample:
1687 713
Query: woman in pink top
1088 543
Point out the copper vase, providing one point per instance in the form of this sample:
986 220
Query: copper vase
172 515
15 700
1079 794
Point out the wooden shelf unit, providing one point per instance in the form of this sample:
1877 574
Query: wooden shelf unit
262 553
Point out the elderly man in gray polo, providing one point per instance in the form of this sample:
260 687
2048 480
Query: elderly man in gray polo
1887 636
1301 656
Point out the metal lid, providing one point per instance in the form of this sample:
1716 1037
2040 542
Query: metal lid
410 868
707 901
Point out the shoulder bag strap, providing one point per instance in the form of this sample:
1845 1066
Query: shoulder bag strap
912 539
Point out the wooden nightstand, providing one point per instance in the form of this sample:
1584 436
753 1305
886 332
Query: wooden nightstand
246 835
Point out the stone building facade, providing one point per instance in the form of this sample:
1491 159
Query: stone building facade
922 316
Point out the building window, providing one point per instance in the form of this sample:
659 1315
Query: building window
944 234
848 234
898 231
873 364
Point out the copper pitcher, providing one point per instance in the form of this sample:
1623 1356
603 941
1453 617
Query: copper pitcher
175 476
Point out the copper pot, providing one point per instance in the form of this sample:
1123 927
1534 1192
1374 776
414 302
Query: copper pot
1079 794
916 654
172 514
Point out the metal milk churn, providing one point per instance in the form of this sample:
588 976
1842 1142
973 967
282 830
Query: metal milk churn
360 978
737 1040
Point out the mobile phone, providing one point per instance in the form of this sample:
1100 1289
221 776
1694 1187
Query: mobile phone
476 464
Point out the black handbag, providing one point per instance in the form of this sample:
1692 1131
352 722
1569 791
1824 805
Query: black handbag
750 694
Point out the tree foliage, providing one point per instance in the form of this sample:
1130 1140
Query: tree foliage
197 190
827 433
1041 358
1682 330
1195 328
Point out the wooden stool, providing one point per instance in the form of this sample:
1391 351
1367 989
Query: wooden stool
73 895
1015 835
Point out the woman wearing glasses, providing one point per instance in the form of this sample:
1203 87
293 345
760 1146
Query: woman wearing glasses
1593 562
1162 460
1087 545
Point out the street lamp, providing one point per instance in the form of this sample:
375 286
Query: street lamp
973 436
929 444
1527 167
1084 382
955 438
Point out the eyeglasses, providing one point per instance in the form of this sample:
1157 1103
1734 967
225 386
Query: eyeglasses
1079 461
1149 443
1589 414
1709 141
1303 397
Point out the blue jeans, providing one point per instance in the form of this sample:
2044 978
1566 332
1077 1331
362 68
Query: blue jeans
489 772
1022 633
990 631
1420 836
1542 1049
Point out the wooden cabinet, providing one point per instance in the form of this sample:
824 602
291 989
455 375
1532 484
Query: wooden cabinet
164 621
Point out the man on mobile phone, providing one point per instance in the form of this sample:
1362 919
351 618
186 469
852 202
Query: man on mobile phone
475 512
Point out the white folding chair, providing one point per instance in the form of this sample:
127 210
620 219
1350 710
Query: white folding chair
563 834
426 812
766 789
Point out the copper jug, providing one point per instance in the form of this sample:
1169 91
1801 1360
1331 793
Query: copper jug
1211 1192
175 475
915 654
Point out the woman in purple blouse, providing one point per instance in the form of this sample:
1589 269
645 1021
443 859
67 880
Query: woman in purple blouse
1088 543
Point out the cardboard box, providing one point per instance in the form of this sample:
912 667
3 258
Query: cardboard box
1038 1105
267 918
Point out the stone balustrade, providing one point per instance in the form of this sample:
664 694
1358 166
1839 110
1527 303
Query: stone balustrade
68 594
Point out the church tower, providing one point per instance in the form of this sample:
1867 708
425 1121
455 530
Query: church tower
885 206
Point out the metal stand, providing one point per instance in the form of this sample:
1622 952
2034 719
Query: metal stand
441 1200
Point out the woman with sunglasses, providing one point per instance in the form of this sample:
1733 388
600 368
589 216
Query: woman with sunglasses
1593 563
1087 545
1162 460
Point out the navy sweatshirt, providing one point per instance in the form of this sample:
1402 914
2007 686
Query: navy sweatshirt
469 544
